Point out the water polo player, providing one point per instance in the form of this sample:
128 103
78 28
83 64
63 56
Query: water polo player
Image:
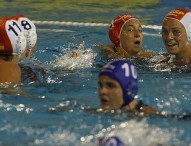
118 87
125 32
12 46
176 35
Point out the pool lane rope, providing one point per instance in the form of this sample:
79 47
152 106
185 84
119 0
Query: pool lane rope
86 24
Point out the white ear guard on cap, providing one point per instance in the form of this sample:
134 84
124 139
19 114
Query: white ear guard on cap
31 38
20 45
29 30
16 37
186 21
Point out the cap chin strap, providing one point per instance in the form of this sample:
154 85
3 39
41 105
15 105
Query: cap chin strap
189 38
122 106
125 52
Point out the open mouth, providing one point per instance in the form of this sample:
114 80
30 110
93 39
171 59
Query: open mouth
171 44
104 101
137 43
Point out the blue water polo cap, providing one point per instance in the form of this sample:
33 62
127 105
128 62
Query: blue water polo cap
110 141
125 73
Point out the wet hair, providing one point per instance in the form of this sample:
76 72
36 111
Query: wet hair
6 57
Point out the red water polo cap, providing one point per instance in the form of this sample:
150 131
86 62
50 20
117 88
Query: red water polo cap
184 17
12 39
116 27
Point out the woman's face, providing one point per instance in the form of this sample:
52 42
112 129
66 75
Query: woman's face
110 93
131 37
174 36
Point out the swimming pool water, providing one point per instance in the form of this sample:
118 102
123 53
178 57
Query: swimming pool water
50 112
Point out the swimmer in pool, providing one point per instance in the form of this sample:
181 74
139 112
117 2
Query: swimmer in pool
125 33
176 35
12 46
118 88
28 28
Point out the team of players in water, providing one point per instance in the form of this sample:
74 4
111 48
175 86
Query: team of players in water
117 80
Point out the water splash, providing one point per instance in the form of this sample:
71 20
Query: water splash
134 133
80 58
19 107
